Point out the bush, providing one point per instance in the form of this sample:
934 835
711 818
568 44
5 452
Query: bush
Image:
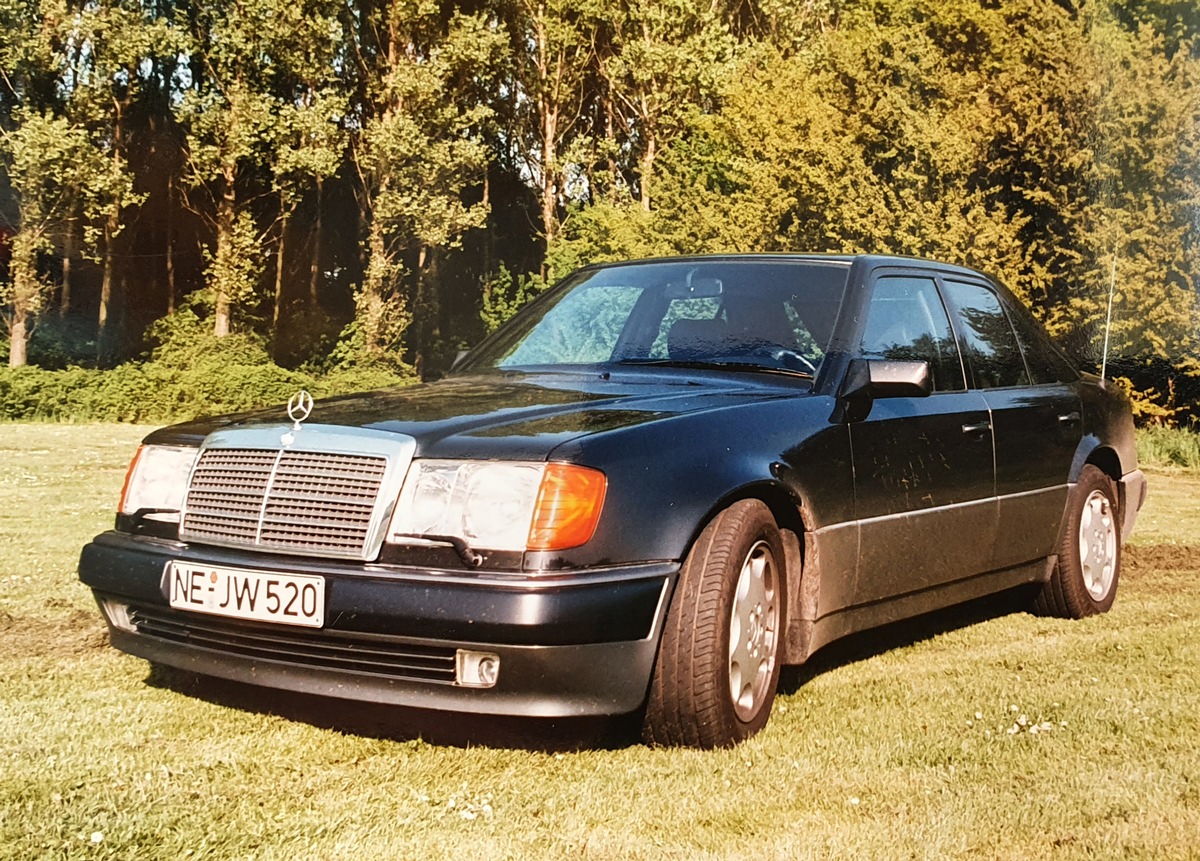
189 372
153 392
1168 448
161 391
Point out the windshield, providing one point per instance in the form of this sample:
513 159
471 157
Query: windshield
742 314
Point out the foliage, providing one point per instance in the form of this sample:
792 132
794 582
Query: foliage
190 372
605 232
154 392
1168 448
504 295
415 158
49 163
1149 406
402 159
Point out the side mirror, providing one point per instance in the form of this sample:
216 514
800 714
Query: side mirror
869 379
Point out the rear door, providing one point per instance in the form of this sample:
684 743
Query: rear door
1035 419
923 466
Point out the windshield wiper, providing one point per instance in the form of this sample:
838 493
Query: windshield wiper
717 365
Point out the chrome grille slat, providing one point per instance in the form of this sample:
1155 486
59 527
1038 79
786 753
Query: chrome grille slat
292 500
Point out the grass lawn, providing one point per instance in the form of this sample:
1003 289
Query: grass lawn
983 733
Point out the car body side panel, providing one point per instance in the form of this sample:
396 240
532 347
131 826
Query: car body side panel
667 478
1107 424
1036 430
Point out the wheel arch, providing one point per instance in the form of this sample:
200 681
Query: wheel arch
1107 461
800 578
1092 451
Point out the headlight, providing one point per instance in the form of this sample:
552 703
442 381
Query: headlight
499 506
157 479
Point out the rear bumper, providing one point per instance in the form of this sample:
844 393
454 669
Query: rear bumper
574 643
1133 497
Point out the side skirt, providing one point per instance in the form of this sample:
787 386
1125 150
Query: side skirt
865 616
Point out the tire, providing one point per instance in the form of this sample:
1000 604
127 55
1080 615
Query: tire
727 616
1084 581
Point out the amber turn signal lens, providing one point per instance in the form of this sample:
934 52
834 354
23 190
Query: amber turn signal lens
568 507
129 478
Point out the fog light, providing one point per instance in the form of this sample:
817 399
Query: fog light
118 615
476 669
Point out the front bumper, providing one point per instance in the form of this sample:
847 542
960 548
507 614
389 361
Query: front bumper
570 644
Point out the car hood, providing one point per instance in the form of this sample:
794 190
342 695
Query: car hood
513 415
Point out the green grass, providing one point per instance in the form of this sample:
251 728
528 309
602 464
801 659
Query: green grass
896 745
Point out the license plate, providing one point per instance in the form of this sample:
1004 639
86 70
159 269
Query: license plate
264 596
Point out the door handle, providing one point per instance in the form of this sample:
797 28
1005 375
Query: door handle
976 429
1070 418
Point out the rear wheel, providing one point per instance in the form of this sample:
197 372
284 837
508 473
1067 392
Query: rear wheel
718 662
1084 581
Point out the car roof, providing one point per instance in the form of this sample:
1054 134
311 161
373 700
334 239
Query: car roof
870 261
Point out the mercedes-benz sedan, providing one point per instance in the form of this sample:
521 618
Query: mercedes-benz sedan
654 486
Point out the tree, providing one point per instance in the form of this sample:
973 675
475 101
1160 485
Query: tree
667 58
48 162
1144 216
416 156
230 112
553 52
308 144
103 53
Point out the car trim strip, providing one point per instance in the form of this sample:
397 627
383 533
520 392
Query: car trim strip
986 500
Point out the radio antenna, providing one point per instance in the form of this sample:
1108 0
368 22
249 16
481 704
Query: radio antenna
1112 285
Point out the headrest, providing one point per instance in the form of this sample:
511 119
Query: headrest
696 339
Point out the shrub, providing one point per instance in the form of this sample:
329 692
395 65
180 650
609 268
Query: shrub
1168 448
175 385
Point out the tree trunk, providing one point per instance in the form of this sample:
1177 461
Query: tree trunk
226 210
487 232
548 106
610 135
64 302
17 339
371 309
424 311
26 296
279 262
650 129
279 258
549 177
648 169
170 216
112 225
314 272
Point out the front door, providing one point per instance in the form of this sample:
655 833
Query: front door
924 474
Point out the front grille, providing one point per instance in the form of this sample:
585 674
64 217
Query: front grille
291 501
376 655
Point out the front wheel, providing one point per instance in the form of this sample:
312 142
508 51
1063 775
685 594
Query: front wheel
718 662
1084 581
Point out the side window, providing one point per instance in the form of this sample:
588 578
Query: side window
988 339
905 322
1044 363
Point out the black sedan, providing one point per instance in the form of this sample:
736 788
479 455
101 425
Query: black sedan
653 487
